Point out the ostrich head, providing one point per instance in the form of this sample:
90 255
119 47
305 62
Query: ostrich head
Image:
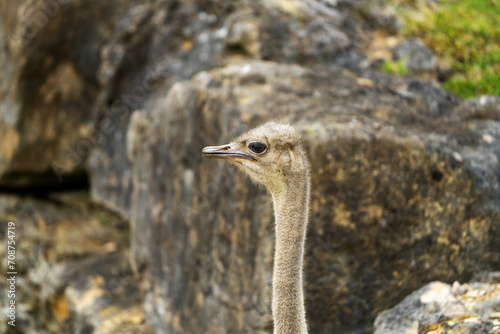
271 154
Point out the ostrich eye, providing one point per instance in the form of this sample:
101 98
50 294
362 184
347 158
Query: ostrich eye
257 147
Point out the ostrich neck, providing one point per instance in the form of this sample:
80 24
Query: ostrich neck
291 206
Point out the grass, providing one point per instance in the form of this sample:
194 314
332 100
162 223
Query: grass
466 34
395 66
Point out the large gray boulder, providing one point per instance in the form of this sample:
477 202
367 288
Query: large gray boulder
442 308
405 190
50 58
72 73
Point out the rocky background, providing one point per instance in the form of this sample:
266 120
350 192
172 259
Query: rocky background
122 227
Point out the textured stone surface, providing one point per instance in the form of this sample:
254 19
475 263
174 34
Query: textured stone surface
440 308
417 57
399 196
50 57
73 270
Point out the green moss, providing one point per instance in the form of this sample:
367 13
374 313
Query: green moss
466 33
395 67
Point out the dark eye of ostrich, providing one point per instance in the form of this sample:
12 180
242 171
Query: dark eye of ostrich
257 147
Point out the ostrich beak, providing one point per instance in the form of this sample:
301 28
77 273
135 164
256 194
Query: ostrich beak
225 152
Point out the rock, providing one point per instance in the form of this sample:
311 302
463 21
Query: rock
50 53
418 58
442 308
68 63
73 272
130 76
377 14
484 107
399 197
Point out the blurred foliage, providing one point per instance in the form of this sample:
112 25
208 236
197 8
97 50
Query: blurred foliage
396 66
465 34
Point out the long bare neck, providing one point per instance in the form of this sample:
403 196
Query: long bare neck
291 207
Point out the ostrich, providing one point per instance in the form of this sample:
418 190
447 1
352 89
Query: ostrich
272 154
